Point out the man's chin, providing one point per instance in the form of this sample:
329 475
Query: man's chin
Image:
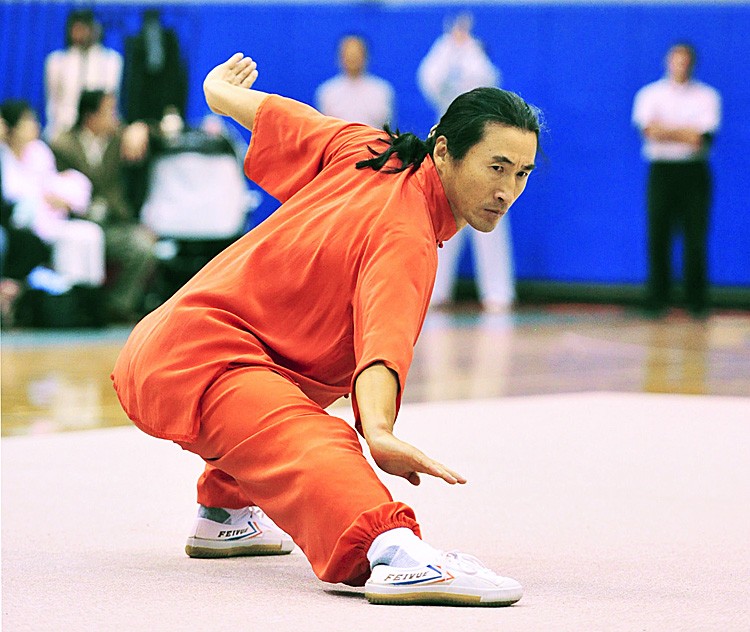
486 226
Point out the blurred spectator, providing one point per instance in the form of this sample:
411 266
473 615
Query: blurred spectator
43 198
23 250
457 63
102 148
155 78
678 117
20 251
84 64
4 207
354 94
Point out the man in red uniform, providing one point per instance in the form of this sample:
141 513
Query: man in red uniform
325 298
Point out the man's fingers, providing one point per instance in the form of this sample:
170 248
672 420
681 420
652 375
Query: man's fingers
245 69
241 71
428 466
250 79
232 61
398 457
456 476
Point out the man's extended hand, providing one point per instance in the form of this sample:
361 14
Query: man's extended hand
238 71
402 459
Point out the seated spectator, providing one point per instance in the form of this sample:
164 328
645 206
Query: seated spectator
102 148
20 250
45 201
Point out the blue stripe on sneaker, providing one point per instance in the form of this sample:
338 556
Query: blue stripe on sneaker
411 580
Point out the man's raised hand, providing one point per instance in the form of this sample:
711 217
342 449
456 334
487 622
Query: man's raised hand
238 71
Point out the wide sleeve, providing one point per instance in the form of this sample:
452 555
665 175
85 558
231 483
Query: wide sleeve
390 302
709 119
643 108
70 186
432 72
323 97
53 91
292 142
74 188
478 69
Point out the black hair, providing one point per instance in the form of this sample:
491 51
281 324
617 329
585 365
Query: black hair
89 103
13 110
354 35
463 126
83 16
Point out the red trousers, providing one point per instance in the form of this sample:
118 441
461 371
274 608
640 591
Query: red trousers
267 444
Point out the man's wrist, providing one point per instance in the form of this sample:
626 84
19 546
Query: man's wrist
375 432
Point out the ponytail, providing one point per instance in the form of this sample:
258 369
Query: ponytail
410 149
462 125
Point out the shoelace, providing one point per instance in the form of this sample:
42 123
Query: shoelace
257 513
466 563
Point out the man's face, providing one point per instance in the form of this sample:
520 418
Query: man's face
679 64
353 56
483 185
461 28
81 34
26 130
105 121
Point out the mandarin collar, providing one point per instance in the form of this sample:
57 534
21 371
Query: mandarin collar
443 222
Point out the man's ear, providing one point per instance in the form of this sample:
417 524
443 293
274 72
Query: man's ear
440 153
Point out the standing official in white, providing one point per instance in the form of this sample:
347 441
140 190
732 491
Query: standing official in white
354 94
678 118
455 64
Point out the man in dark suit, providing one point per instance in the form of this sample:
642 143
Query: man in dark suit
155 77
100 147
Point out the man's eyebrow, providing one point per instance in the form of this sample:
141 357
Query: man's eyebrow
507 161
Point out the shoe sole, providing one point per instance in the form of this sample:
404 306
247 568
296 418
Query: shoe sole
196 548
438 598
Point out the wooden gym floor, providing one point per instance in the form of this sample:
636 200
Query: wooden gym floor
617 510
59 380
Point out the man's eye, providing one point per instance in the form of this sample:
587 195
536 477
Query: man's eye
523 174
497 167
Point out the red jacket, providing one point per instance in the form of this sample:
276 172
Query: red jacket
338 278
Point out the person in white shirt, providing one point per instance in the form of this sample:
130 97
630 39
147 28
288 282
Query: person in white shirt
457 63
84 64
48 201
355 95
678 118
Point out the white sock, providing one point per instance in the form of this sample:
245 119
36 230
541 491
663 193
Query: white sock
219 514
401 548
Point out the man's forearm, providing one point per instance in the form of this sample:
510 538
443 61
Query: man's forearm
227 89
376 390
239 103
681 135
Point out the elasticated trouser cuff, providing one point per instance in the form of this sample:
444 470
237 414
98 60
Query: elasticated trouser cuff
267 443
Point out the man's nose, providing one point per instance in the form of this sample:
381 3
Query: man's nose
505 193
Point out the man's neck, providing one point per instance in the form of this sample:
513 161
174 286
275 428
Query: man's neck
680 81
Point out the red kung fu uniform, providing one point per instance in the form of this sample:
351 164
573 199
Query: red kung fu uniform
239 365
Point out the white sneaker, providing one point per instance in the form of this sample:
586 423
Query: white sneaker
454 579
232 532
